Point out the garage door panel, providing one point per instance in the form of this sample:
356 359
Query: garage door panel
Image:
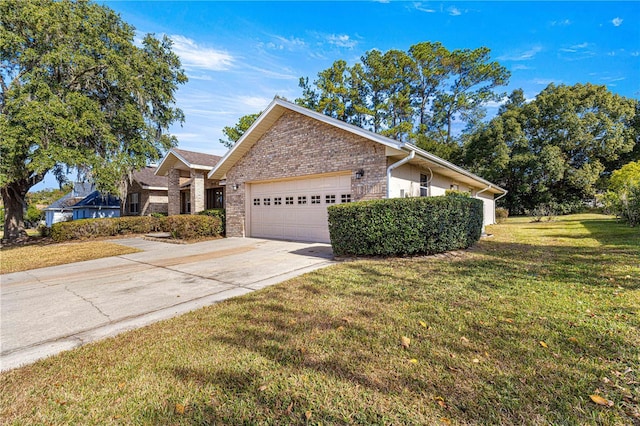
302 214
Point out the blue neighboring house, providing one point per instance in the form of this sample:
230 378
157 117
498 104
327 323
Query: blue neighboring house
61 209
97 205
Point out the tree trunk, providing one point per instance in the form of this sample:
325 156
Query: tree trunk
13 197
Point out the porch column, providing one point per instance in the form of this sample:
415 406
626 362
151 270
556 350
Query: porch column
174 192
197 191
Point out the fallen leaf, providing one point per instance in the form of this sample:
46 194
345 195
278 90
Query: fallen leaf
509 320
413 361
475 360
179 408
290 408
601 401
424 324
445 420
405 341
464 339
543 344
121 385
345 319
262 388
573 340
307 415
340 328
605 380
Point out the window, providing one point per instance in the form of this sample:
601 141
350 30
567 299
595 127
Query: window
330 199
288 200
345 198
277 201
424 186
454 187
266 201
315 199
256 201
214 198
133 203
302 199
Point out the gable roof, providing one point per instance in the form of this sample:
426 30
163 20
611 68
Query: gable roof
148 179
96 199
186 160
278 107
79 191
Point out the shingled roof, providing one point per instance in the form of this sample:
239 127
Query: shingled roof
148 179
186 160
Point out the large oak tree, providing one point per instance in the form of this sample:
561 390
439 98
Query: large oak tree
79 92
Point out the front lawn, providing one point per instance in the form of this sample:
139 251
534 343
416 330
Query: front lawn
539 324
24 258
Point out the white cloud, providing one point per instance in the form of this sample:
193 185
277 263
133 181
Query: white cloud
454 11
282 43
254 102
616 22
419 6
561 23
342 40
518 67
523 55
194 56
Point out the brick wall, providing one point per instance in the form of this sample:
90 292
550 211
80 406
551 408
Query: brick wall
197 191
298 146
174 192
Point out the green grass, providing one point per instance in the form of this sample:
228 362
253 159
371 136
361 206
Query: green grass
325 348
24 258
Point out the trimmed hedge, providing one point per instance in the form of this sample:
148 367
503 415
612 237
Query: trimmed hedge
184 227
405 226
219 213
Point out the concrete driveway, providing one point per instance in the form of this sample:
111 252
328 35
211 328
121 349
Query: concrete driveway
49 310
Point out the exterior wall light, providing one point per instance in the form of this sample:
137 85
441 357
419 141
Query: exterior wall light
234 186
359 174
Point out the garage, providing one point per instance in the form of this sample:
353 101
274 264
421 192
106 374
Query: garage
296 209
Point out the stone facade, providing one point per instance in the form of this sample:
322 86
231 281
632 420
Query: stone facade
197 190
174 192
297 146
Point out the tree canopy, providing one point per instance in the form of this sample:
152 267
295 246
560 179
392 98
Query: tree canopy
410 96
556 149
77 91
234 133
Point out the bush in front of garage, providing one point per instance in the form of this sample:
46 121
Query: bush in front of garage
182 227
219 213
405 226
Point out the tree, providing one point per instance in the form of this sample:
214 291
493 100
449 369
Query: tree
623 196
409 96
234 133
556 149
77 92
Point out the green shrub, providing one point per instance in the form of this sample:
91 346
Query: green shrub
158 214
405 226
219 213
501 214
187 227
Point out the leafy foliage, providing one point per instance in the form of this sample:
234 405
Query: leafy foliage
623 197
234 133
182 226
77 92
415 95
219 213
556 149
405 226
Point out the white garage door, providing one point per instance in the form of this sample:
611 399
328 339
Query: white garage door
296 209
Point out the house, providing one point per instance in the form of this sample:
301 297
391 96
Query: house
189 189
292 163
96 205
60 210
146 194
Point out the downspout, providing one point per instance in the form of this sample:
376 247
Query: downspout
393 166
486 189
494 204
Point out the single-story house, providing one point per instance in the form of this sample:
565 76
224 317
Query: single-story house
146 194
279 178
96 205
189 189
60 210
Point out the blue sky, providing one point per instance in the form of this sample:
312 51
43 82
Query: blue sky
239 55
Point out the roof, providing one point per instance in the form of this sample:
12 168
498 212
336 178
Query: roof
186 160
148 179
400 149
96 199
79 191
